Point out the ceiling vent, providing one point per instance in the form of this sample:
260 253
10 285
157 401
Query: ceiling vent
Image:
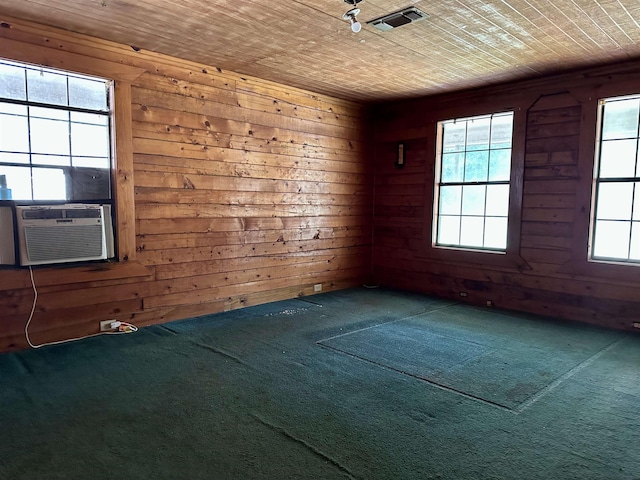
397 19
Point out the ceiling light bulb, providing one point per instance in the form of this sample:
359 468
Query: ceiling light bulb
356 26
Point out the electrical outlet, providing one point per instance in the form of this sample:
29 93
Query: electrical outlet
636 324
463 294
105 326
317 287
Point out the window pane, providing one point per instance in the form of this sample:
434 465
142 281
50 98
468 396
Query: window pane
49 136
497 200
452 167
12 82
14 158
92 162
49 184
14 133
63 161
13 109
618 158
454 136
46 87
92 118
450 200
472 231
635 241
620 119
478 133
473 198
19 181
476 166
51 113
611 239
636 202
502 131
614 201
449 230
85 93
499 165
495 233
89 140
88 183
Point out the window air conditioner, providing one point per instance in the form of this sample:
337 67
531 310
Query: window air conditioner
61 233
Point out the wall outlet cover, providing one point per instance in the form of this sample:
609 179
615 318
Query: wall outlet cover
105 325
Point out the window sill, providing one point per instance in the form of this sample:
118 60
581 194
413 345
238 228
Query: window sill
625 272
14 278
500 260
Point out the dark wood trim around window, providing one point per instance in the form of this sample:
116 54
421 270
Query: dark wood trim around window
510 259
580 263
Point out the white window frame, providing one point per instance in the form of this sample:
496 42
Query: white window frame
30 105
439 184
603 217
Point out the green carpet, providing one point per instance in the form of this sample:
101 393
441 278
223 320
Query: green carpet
490 358
357 384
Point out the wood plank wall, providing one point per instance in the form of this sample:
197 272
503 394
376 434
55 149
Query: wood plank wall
246 192
554 278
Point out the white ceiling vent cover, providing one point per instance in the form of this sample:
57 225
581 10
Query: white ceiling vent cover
397 19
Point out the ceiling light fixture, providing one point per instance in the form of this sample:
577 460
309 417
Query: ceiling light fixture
351 15
356 26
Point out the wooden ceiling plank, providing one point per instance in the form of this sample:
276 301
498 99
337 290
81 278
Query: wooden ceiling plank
512 19
573 14
558 29
307 45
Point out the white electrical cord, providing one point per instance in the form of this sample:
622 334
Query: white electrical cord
124 327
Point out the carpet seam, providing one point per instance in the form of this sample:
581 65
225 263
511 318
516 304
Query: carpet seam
314 450
426 380
384 323
570 373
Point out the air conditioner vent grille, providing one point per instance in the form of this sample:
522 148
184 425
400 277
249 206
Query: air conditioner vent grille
71 241
398 19
84 213
43 214
56 213
414 15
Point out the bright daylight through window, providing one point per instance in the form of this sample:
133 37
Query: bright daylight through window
54 135
472 184
616 222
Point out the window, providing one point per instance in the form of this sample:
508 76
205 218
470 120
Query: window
54 135
472 182
615 229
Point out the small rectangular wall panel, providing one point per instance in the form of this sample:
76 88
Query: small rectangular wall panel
7 232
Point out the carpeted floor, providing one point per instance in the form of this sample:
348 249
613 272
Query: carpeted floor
357 384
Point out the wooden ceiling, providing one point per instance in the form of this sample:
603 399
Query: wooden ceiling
305 43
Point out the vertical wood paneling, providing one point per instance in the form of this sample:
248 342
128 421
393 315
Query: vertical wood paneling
552 144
